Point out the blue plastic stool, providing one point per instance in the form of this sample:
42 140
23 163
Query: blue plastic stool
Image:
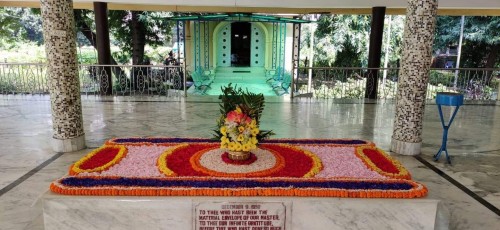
447 99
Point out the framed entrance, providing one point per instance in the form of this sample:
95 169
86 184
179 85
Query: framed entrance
267 40
240 44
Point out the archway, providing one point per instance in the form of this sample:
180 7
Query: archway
224 40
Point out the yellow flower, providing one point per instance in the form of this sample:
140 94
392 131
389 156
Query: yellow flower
238 109
231 146
255 131
240 137
253 123
247 147
223 145
223 130
238 147
224 139
241 129
254 141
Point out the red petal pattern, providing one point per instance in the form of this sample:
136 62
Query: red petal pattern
381 161
101 158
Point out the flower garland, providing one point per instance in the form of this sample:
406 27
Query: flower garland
377 160
99 159
202 186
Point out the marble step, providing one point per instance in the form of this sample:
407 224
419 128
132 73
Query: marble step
173 212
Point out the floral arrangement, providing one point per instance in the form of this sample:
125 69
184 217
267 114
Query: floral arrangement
238 127
160 166
239 132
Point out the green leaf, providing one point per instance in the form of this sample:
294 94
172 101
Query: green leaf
250 103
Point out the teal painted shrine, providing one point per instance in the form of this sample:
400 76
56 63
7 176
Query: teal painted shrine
252 51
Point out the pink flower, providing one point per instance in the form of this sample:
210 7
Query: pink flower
238 117
341 162
140 161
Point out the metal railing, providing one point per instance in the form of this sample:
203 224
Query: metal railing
23 78
28 78
333 82
324 82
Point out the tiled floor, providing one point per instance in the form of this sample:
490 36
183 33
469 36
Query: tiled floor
25 132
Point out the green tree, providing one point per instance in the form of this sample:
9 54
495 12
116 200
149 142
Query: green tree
130 30
348 56
336 32
19 25
353 31
9 26
481 39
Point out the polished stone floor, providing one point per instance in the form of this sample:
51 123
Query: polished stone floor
28 165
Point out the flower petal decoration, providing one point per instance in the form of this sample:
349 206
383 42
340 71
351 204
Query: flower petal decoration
162 160
376 160
160 166
99 160
196 186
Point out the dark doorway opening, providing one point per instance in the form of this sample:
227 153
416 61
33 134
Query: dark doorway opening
240 44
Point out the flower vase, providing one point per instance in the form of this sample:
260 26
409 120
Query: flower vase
238 155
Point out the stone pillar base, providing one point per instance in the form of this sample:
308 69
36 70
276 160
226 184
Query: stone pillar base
405 148
68 145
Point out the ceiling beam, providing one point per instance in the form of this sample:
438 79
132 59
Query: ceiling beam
268 10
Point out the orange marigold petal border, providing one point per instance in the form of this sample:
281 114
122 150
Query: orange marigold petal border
202 186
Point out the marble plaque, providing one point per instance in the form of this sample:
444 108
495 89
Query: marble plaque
239 215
